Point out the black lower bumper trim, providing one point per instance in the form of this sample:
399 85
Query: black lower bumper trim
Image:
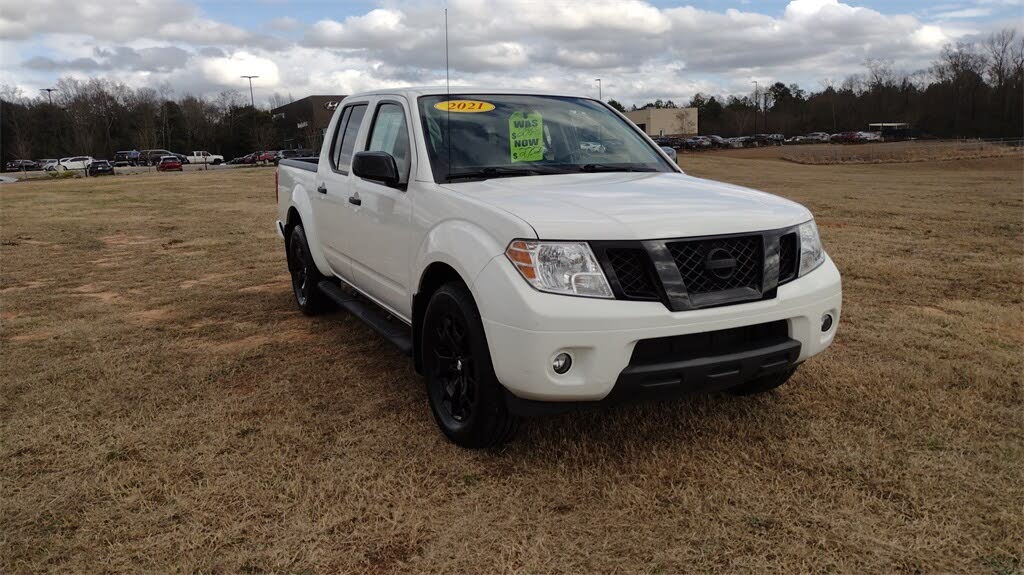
660 380
708 374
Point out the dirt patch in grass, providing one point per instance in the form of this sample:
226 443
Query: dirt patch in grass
194 421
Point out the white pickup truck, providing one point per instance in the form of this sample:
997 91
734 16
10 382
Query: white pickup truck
528 271
204 157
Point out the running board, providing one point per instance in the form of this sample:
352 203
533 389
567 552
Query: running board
392 330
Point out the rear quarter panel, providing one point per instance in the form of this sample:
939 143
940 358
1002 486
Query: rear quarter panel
294 187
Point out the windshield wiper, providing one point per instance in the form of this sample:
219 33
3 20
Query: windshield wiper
616 168
502 172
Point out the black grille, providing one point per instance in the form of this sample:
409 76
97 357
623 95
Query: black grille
709 344
695 265
632 272
788 257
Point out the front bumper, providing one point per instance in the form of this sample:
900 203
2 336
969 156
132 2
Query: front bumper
526 329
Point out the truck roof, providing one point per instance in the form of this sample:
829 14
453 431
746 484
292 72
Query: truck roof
413 92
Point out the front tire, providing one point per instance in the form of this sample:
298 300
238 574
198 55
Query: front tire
464 393
763 384
305 275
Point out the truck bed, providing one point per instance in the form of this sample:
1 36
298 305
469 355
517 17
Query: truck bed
308 164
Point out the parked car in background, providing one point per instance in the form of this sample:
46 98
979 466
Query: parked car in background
74 163
249 158
204 157
127 158
49 165
795 140
870 137
169 163
100 168
769 139
817 137
718 141
153 157
845 138
21 165
266 156
698 143
741 142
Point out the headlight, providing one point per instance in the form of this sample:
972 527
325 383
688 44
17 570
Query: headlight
568 268
811 253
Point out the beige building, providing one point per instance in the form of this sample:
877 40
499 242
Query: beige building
665 121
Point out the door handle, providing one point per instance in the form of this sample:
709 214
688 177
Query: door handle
322 189
355 200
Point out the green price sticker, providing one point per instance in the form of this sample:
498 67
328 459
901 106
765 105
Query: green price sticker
526 137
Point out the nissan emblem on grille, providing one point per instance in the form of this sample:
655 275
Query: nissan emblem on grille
720 263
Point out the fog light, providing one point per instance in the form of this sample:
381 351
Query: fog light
826 322
562 363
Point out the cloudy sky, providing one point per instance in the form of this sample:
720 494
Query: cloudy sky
641 49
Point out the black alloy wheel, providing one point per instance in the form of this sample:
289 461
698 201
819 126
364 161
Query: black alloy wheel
453 370
305 276
464 393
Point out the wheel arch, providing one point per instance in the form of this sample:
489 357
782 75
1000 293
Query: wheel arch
433 277
291 220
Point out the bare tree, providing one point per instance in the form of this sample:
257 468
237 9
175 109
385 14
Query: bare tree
277 100
961 67
11 93
999 50
880 73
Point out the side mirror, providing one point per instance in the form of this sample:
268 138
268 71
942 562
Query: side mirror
377 166
671 153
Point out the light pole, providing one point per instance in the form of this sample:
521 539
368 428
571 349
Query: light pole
49 93
252 102
756 105
598 80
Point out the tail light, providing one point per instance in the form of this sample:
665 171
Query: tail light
277 174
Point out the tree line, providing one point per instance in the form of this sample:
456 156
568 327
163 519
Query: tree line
98 116
970 90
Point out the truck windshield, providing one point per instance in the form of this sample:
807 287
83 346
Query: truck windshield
493 136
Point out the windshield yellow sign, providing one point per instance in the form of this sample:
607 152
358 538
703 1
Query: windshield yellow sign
526 137
464 106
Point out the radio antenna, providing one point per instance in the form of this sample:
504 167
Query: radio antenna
448 97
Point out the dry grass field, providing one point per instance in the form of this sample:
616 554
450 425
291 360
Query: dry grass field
899 152
164 408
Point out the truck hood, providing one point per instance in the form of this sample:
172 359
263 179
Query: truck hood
633 205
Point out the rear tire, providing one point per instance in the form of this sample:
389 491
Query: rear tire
464 393
305 275
763 384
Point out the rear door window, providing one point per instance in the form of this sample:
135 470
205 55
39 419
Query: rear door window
345 138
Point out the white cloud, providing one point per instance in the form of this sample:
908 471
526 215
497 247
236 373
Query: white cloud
964 13
284 24
228 70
